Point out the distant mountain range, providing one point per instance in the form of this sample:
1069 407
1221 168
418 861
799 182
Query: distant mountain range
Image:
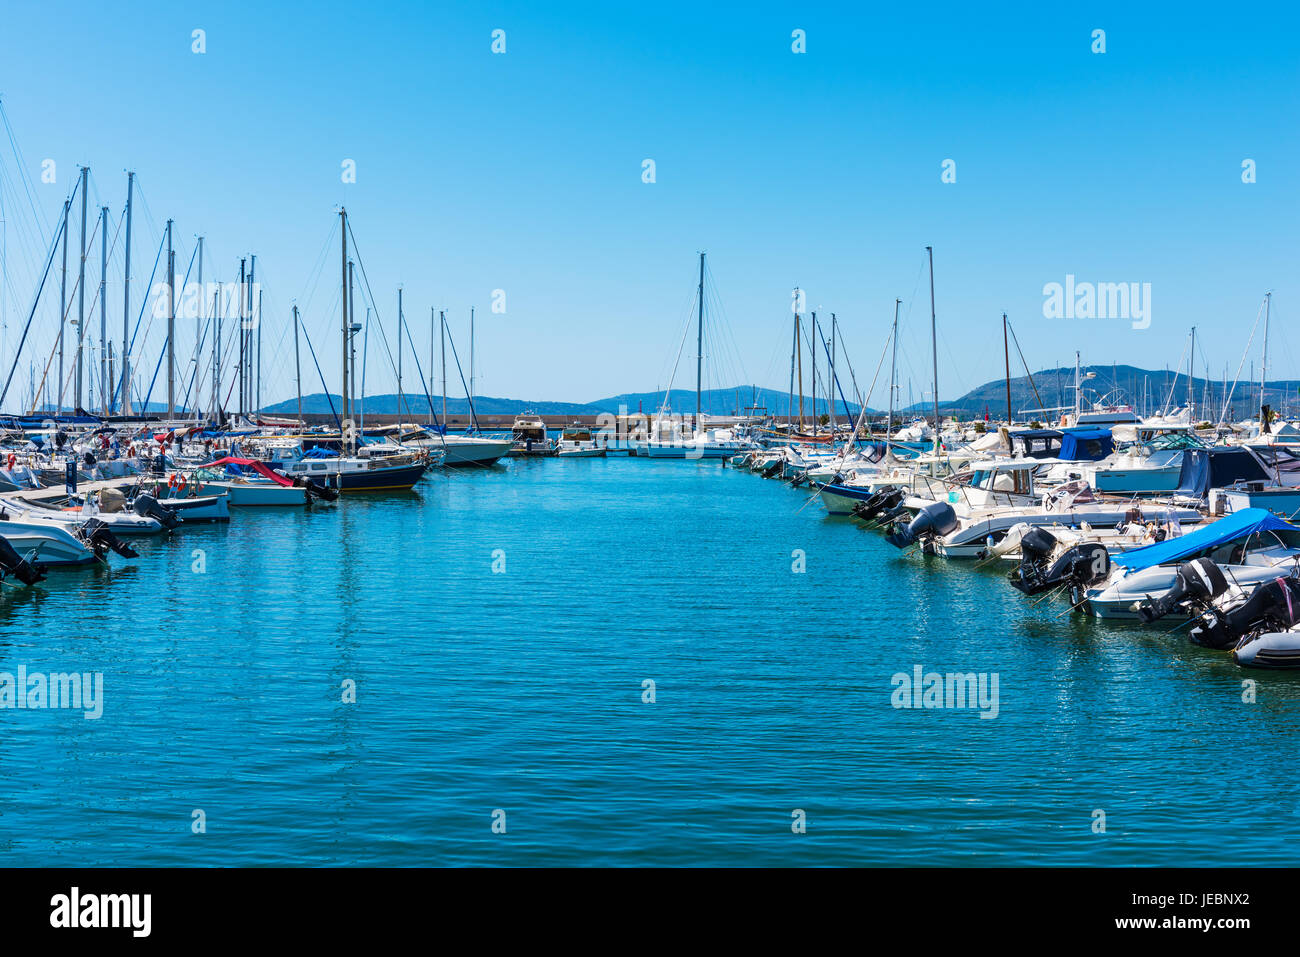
1146 390
735 401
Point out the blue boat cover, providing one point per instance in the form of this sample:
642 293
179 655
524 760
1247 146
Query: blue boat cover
1086 445
1219 467
1227 529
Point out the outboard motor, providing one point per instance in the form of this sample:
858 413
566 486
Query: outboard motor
1199 582
1077 568
1273 606
101 538
11 563
316 490
884 500
150 507
933 520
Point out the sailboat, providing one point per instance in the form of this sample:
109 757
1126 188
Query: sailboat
459 451
670 439
363 469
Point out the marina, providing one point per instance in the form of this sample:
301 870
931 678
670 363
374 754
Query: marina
617 445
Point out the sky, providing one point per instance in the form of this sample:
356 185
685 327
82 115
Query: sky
523 171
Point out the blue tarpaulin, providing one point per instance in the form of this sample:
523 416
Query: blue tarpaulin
1227 529
1086 445
1204 469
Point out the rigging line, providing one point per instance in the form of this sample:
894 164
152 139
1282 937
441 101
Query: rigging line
54 243
1028 374
473 417
424 385
166 339
1177 372
383 336
54 349
1244 352
37 214
144 301
328 397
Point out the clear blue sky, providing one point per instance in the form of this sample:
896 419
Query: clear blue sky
522 172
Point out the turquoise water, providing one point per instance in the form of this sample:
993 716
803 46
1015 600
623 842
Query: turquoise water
521 690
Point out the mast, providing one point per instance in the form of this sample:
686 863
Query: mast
1263 368
349 319
1191 381
798 362
246 335
297 366
699 351
433 316
215 413
830 385
812 354
259 352
242 264
171 326
81 287
400 350
343 232
126 301
104 388
1077 383
63 299
1006 356
471 365
794 347
934 348
442 331
893 374
198 331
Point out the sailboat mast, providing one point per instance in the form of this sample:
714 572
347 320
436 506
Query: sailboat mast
699 350
830 386
198 332
104 388
171 330
789 402
471 356
343 279
297 366
1263 368
400 350
1191 381
126 300
81 287
893 375
442 333
63 299
1006 356
934 350
215 413
812 354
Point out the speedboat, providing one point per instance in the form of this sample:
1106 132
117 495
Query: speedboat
1245 549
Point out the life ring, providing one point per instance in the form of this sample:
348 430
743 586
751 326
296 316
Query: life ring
171 482
180 486
13 460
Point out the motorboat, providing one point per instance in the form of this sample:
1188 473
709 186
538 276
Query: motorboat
529 436
1248 547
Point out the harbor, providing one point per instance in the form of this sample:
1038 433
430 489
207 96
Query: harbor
604 447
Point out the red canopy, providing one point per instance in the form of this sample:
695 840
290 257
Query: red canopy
259 467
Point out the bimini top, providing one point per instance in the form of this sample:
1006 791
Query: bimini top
1086 445
1229 528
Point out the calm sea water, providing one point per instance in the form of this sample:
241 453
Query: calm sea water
521 690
